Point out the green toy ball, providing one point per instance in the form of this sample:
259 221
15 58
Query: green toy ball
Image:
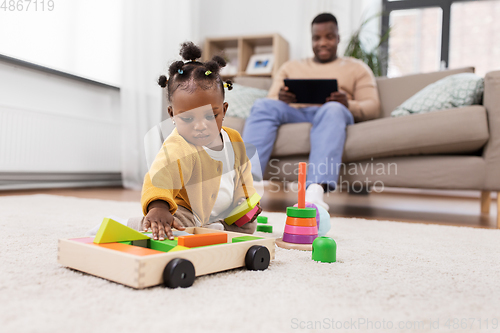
324 249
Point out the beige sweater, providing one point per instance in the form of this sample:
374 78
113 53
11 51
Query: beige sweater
354 78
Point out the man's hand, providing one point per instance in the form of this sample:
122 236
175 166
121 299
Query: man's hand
286 96
338 96
160 220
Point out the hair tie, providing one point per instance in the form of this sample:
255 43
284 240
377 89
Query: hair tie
180 71
227 85
207 73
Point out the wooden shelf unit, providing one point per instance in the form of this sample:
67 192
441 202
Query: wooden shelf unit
246 46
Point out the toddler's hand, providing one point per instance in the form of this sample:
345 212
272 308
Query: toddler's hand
160 220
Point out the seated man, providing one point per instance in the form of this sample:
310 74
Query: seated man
357 100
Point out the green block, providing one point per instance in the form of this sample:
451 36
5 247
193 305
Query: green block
164 245
126 242
244 239
262 219
265 228
300 212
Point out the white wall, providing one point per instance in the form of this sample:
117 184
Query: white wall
57 129
81 37
290 18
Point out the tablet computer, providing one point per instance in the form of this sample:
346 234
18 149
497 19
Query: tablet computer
311 91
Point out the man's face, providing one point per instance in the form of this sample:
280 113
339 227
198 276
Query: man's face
325 39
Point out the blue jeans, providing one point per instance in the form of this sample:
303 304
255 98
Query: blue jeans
328 134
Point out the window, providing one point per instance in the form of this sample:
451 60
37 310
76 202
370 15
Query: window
474 35
414 41
427 35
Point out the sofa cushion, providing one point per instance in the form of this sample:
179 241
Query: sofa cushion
293 139
453 91
459 130
395 90
240 100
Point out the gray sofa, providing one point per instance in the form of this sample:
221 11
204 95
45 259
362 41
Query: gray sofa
450 149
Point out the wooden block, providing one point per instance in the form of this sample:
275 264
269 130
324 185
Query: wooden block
134 250
301 222
262 219
112 232
295 230
202 239
179 248
265 228
165 245
242 209
247 217
244 239
126 242
141 243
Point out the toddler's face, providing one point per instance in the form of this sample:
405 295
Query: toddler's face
198 115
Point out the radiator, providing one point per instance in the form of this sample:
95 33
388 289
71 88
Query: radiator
41 149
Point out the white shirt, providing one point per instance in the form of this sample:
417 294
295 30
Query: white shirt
226 190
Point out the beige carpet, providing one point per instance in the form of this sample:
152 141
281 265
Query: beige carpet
388 274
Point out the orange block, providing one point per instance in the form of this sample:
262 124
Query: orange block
301 222
135 250
203 239
302 184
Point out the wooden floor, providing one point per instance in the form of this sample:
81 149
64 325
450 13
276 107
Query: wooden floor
447 208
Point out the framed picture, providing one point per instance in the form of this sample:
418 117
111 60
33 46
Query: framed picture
260 64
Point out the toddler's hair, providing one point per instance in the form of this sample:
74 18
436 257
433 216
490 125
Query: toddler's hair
193 74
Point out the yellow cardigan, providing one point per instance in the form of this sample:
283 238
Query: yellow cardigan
184 174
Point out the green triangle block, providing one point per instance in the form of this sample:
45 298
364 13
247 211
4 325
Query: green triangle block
112 232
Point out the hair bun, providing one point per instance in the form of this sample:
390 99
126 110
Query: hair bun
162 81
189 51
220 61
174 68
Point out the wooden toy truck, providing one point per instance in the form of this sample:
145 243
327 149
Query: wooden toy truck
140 267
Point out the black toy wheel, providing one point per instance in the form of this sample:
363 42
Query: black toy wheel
179 273
257 258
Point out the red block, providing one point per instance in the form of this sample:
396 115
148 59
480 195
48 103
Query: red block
247 217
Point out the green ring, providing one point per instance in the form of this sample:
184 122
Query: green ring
300 212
